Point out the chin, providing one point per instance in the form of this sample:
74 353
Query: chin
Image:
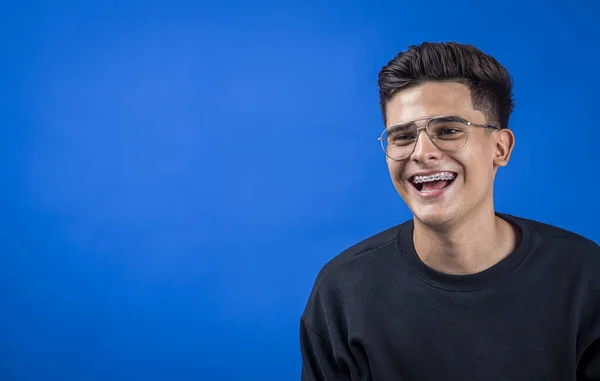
435 218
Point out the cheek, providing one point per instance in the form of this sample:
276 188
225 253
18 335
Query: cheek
479 174
395 169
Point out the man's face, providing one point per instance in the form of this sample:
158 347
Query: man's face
473 166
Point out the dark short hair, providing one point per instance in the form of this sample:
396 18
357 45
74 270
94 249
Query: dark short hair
489 82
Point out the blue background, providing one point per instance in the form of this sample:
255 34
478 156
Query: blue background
174 175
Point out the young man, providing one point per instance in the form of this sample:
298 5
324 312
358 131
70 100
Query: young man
460 292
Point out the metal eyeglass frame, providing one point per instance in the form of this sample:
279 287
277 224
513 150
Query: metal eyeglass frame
428 119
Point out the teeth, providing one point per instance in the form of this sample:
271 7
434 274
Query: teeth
437 176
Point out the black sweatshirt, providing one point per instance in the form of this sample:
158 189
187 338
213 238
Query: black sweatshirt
377 312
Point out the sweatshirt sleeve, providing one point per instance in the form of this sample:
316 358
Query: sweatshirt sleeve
588 368
318 359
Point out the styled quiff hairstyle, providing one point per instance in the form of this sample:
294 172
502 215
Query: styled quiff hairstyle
489 82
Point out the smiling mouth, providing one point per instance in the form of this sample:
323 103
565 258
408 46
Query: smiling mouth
434 182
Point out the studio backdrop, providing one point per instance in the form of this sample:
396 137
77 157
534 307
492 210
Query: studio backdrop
174 174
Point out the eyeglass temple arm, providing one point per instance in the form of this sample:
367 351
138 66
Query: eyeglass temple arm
484 125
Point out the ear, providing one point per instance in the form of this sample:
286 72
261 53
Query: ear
505 142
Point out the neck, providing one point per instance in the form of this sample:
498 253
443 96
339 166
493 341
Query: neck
470 245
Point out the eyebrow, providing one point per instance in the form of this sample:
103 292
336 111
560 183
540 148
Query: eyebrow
442 118
450 118
399 127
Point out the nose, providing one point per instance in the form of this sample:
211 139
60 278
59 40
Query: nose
425 151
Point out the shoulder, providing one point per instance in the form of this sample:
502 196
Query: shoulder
567 247
366 250
574 260
354 265
547 233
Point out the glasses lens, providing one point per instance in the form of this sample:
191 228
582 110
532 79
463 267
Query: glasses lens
398 141
448 133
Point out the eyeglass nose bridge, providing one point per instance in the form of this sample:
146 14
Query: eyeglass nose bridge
419 129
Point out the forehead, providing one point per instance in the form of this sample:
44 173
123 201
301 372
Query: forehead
431 99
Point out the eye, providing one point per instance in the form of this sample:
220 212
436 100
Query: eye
449 131
402 138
